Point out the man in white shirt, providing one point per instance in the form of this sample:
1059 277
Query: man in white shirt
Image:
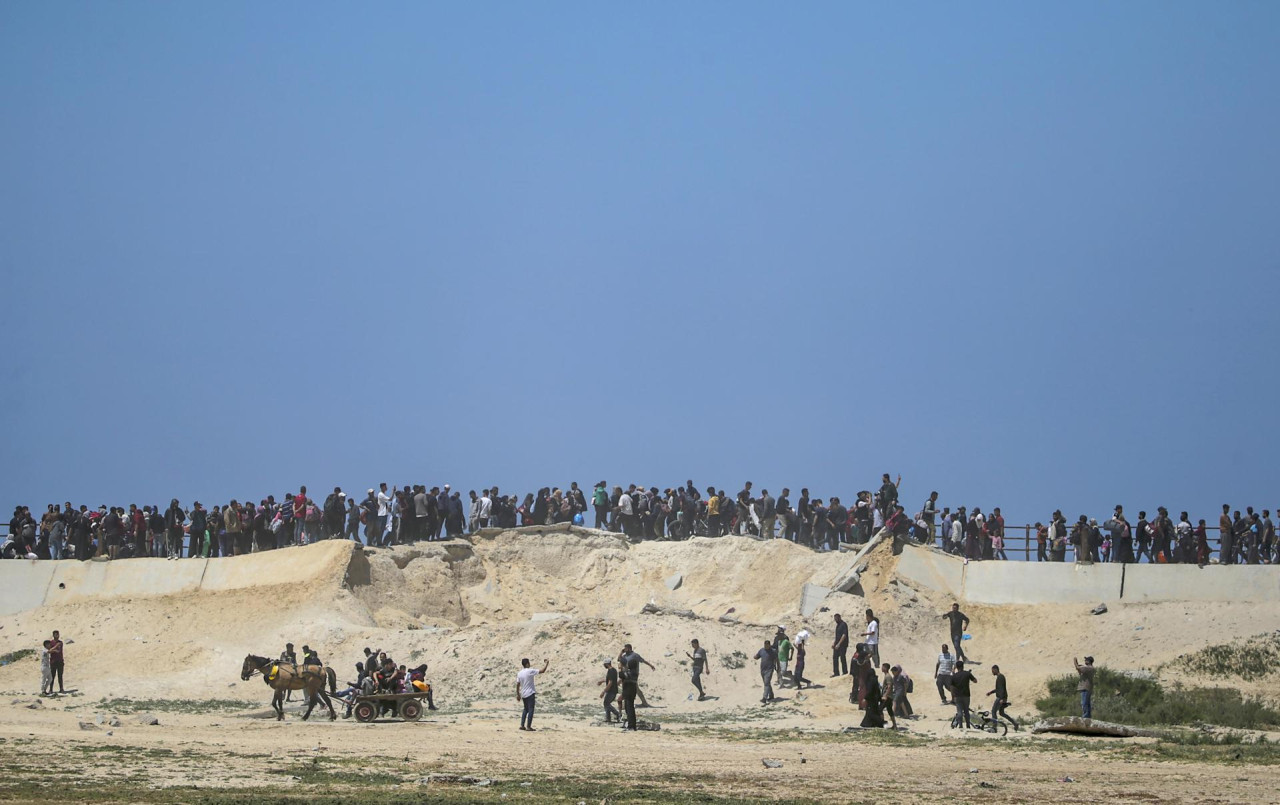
872 636
526 691
625 512
486 507
384 508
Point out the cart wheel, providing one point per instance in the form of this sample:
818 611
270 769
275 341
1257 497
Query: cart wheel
411 709
366 712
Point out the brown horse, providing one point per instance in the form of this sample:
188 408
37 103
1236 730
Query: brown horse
285 676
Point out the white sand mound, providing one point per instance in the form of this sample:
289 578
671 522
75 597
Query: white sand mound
472 609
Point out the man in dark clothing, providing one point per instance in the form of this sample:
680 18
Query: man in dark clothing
840 649
56 662
804 513
442 511
768 661
959 622
1001 693
610 692
767 509
929 513
837 522
629 662
888 495
961 679
1142 531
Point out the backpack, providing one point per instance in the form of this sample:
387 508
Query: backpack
910 685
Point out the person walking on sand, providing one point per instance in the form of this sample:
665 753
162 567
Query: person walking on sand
1085 686
840 649
959 622
699 658
942 673
961 679
768 662
526 691
610 692
886 693
782 647
802 646
1001 692
873 637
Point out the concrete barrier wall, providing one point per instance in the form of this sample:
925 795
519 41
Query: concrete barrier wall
1042 583
28 584
1192 583
1066 582
23 583
74 581
933 569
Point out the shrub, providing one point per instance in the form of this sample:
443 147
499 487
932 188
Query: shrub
1256 658
1133 700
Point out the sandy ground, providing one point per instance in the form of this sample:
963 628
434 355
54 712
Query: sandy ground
238 751
472 610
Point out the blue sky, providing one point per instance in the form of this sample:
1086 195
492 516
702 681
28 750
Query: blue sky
1025 254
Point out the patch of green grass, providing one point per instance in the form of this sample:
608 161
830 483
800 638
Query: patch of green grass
323 771
173 705
767 735
1131 700
14 656
1256 658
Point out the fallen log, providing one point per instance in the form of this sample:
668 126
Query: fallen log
1074 725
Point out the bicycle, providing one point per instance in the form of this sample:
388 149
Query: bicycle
982 721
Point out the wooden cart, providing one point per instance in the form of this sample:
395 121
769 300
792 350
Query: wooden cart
408 706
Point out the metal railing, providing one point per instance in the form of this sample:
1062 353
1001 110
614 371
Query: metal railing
1022 539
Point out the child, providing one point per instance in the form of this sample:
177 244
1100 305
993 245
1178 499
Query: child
46 672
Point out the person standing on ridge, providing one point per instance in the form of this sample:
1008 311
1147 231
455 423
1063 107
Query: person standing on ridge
888 496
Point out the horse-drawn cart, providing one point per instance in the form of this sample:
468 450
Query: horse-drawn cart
407 706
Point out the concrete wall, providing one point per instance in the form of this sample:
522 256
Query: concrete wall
28 584
23 583
1191 583
1067 582
1041 582
933 569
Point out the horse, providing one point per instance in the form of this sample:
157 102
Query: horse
290 676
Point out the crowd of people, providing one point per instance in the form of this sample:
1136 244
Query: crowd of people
879 688
415 512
